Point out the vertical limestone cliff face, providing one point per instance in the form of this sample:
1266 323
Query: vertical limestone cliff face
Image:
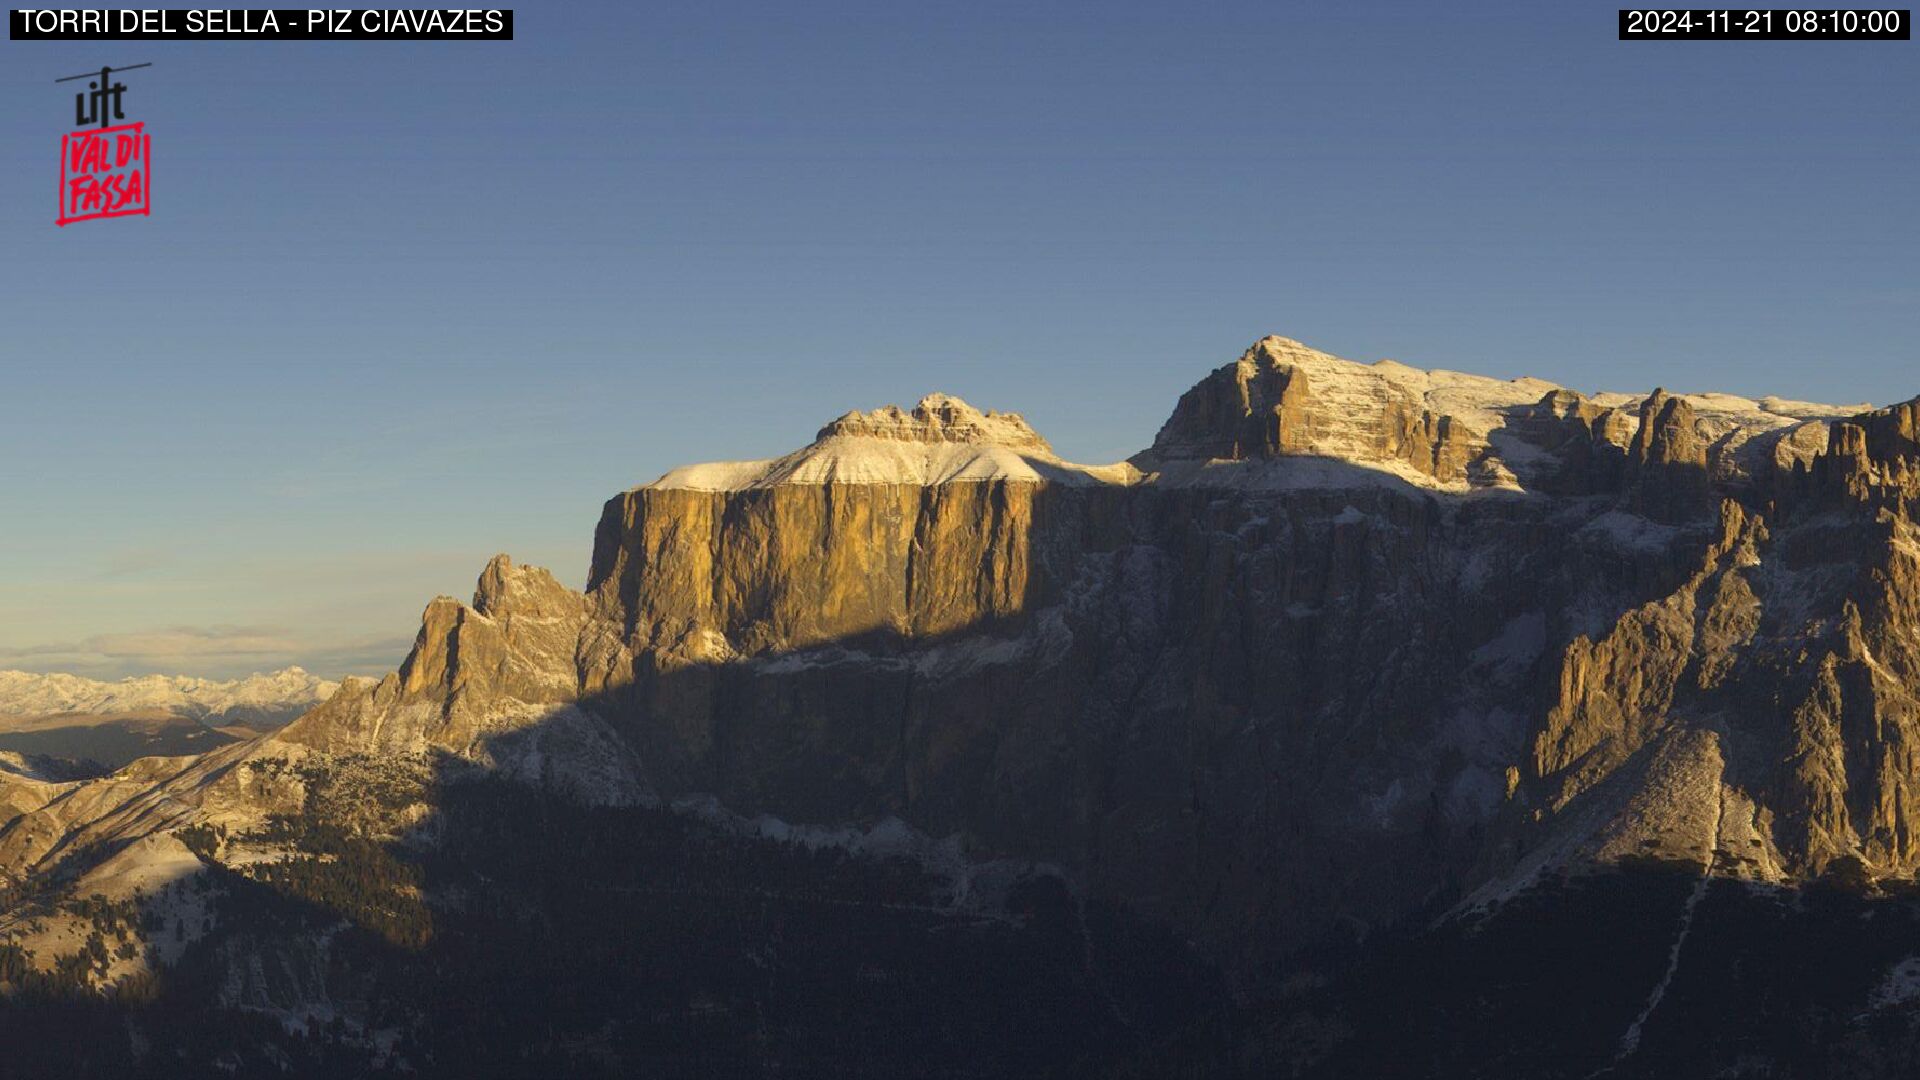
792 566
1791 648
1193 700
1852 684
1347 643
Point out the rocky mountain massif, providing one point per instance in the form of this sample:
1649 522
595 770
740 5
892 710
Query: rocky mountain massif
1374 710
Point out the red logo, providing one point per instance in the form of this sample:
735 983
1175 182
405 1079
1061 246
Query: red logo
109 172
106 173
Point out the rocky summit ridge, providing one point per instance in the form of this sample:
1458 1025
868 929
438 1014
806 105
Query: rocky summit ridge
941 439
940 418
1450 431
1346 643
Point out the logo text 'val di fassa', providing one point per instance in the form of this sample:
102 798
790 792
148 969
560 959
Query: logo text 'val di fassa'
106 167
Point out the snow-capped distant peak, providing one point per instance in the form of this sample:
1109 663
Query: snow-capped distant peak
261 695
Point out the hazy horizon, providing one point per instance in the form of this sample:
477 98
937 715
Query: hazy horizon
400 307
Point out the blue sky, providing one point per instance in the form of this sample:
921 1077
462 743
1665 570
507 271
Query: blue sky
400 306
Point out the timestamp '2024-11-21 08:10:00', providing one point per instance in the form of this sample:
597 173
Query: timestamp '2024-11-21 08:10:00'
1785 24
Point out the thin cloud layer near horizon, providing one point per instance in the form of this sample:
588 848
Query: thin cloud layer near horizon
403 306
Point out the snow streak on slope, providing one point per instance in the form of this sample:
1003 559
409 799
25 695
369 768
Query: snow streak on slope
1630 1041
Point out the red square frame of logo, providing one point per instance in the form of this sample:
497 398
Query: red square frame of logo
145 169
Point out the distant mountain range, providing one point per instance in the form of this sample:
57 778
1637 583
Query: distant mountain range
112 723
259 700
1371 722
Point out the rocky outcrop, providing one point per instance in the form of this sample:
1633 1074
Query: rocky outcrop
1443 430
1792 646
1874 459
1282 398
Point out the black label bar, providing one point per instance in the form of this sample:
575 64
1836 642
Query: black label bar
1802 24
260 24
